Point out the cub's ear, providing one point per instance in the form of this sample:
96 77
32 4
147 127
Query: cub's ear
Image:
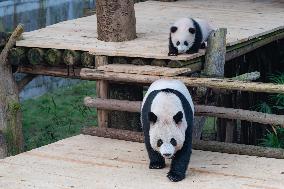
191 30
152 117
173 29
178 117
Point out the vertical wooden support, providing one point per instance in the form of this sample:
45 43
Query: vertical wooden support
214 67
102 92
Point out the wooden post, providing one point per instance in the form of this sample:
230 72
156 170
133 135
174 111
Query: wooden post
102 92
11 136
214 67
116 20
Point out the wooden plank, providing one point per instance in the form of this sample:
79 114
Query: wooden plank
228 84
143 70
92 162
244 20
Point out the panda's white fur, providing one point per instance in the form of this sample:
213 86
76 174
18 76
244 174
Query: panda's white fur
165 106
167 119
183 40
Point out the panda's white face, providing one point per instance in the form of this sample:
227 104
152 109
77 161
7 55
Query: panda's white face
167 124
183 34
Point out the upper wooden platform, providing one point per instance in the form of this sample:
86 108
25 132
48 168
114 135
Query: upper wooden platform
244 19
89 162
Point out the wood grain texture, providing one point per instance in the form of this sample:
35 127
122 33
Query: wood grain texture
143 70
84 162
244 20
102 92
200 110
229 84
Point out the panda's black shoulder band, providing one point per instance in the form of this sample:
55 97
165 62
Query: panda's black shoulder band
198 38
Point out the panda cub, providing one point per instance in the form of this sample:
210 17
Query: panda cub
188 35
167 119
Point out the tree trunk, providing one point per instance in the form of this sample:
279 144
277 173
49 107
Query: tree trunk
116 20
11 137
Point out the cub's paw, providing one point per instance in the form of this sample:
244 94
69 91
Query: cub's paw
175 177
172 54
157 165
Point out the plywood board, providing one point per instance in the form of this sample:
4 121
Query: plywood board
143 70
88 162
244 19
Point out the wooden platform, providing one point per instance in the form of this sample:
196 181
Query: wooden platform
91 162
246 20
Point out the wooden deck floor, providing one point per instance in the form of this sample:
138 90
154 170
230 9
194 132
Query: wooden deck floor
244 19
90 162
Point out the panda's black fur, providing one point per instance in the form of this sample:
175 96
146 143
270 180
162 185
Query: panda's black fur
181 158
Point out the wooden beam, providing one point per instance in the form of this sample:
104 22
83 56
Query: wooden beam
200 110
213 146
102 92
228 84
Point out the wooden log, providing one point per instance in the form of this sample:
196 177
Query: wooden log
200 110
139 61
36 56
215 83
17 56
53 56
71 57
10 108
102 92
215 53
120 60
159 62
213 146
116 20
252 76
87 60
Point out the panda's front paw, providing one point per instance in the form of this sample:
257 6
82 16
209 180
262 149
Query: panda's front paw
174 177
157 165
172 54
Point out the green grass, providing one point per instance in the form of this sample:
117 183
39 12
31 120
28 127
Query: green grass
57 115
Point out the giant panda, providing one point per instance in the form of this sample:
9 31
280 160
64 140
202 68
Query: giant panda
188 35
167 119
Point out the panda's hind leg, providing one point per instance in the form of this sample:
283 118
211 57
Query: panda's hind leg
203 45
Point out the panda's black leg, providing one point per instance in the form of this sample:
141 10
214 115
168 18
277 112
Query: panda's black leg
203 46
180 162
156 160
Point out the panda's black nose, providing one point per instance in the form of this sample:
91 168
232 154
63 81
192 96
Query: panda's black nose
167 155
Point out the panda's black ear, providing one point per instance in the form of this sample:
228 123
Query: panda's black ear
191 30
178 117
152 117
173 29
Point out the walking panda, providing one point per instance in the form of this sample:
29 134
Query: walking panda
167 119
188 35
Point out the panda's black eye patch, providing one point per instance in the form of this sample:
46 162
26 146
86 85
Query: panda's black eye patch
186 43
191 30
173 29
159 142
178 43
173 142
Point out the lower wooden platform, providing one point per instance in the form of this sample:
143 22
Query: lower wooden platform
92 162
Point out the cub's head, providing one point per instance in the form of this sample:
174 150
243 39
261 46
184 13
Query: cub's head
167 132
183 34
